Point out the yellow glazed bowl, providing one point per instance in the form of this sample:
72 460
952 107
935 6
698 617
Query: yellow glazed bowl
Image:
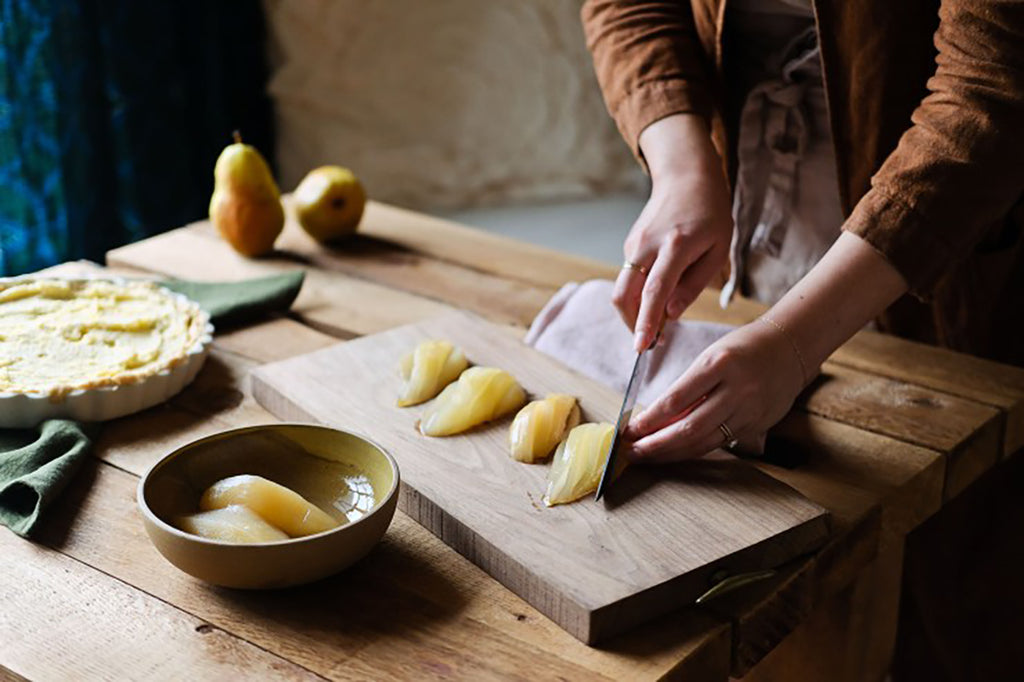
346 475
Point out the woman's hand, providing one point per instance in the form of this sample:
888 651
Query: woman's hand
750 377
681 238
746 380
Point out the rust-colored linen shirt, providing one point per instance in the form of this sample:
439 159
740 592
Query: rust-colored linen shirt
926 104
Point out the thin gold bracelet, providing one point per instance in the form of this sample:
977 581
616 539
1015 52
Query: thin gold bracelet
782 330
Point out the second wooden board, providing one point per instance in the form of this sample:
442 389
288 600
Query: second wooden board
595 568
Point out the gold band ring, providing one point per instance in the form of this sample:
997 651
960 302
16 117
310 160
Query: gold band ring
730 438
630 265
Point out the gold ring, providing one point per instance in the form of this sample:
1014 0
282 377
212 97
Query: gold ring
630 265
730 438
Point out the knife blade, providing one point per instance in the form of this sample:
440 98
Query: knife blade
636 377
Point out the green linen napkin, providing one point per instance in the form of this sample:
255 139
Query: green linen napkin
235 302
36 464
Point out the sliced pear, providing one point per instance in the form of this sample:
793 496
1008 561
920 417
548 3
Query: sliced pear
541 425
578 463
428 369
233 523
277 505
480 395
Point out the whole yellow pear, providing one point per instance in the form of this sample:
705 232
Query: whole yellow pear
329 203
246 203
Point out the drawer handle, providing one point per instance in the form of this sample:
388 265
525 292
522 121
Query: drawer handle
727 583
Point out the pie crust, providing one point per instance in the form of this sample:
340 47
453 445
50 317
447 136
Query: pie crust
94 349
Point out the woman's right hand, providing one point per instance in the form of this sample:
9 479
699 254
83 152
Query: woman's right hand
682 236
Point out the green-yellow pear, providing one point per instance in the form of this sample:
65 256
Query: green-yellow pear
246 203
329 203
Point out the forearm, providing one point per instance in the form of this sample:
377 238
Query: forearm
677 145
850 286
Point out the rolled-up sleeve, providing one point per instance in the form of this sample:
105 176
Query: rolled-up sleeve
649 62
960 167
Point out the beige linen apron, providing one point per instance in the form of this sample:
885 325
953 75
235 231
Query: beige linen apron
786 202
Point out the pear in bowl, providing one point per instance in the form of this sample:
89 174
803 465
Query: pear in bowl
351 479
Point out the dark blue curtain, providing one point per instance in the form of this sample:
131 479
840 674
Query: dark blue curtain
112 114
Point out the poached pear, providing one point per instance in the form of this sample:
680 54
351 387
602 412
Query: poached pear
246 203
329 203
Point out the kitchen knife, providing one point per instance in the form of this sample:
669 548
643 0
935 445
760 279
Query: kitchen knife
636 378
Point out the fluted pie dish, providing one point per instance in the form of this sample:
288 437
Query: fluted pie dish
94 349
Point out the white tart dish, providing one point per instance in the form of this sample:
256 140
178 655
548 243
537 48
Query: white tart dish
106 397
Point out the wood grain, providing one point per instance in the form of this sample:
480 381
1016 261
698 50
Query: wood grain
412 609
967 432
336 304
498 298
984 381
596 571
58 613
106 532
856 483
473 248
212 404
274 339
970 432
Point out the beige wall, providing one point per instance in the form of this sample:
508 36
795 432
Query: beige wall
444 103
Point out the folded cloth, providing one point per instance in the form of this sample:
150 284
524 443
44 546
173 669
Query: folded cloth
580 327
36 464
235 302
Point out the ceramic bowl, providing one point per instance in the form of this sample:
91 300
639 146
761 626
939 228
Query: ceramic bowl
346 475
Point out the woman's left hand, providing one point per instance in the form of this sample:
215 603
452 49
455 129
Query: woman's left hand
746 380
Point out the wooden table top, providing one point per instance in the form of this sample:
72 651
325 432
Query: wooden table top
891 431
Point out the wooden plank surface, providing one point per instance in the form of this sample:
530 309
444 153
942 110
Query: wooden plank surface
473 248
58 613
408 232
990 383
970 433
490 253
966 432
347 316
98 525
414 603
595 569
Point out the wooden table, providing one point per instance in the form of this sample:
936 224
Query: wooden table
892 431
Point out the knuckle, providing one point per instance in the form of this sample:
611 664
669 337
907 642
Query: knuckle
676 240
721 358
687 430
654 288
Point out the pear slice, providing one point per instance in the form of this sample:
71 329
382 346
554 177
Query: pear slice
480 395
277 505
233 523
428 369
541 425
578 463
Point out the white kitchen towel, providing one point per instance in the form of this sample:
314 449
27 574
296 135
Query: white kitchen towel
580 327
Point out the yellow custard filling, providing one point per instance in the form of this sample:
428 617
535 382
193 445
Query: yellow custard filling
58 336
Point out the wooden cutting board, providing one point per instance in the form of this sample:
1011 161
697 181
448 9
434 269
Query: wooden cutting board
595 568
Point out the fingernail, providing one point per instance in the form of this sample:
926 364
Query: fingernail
640 341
